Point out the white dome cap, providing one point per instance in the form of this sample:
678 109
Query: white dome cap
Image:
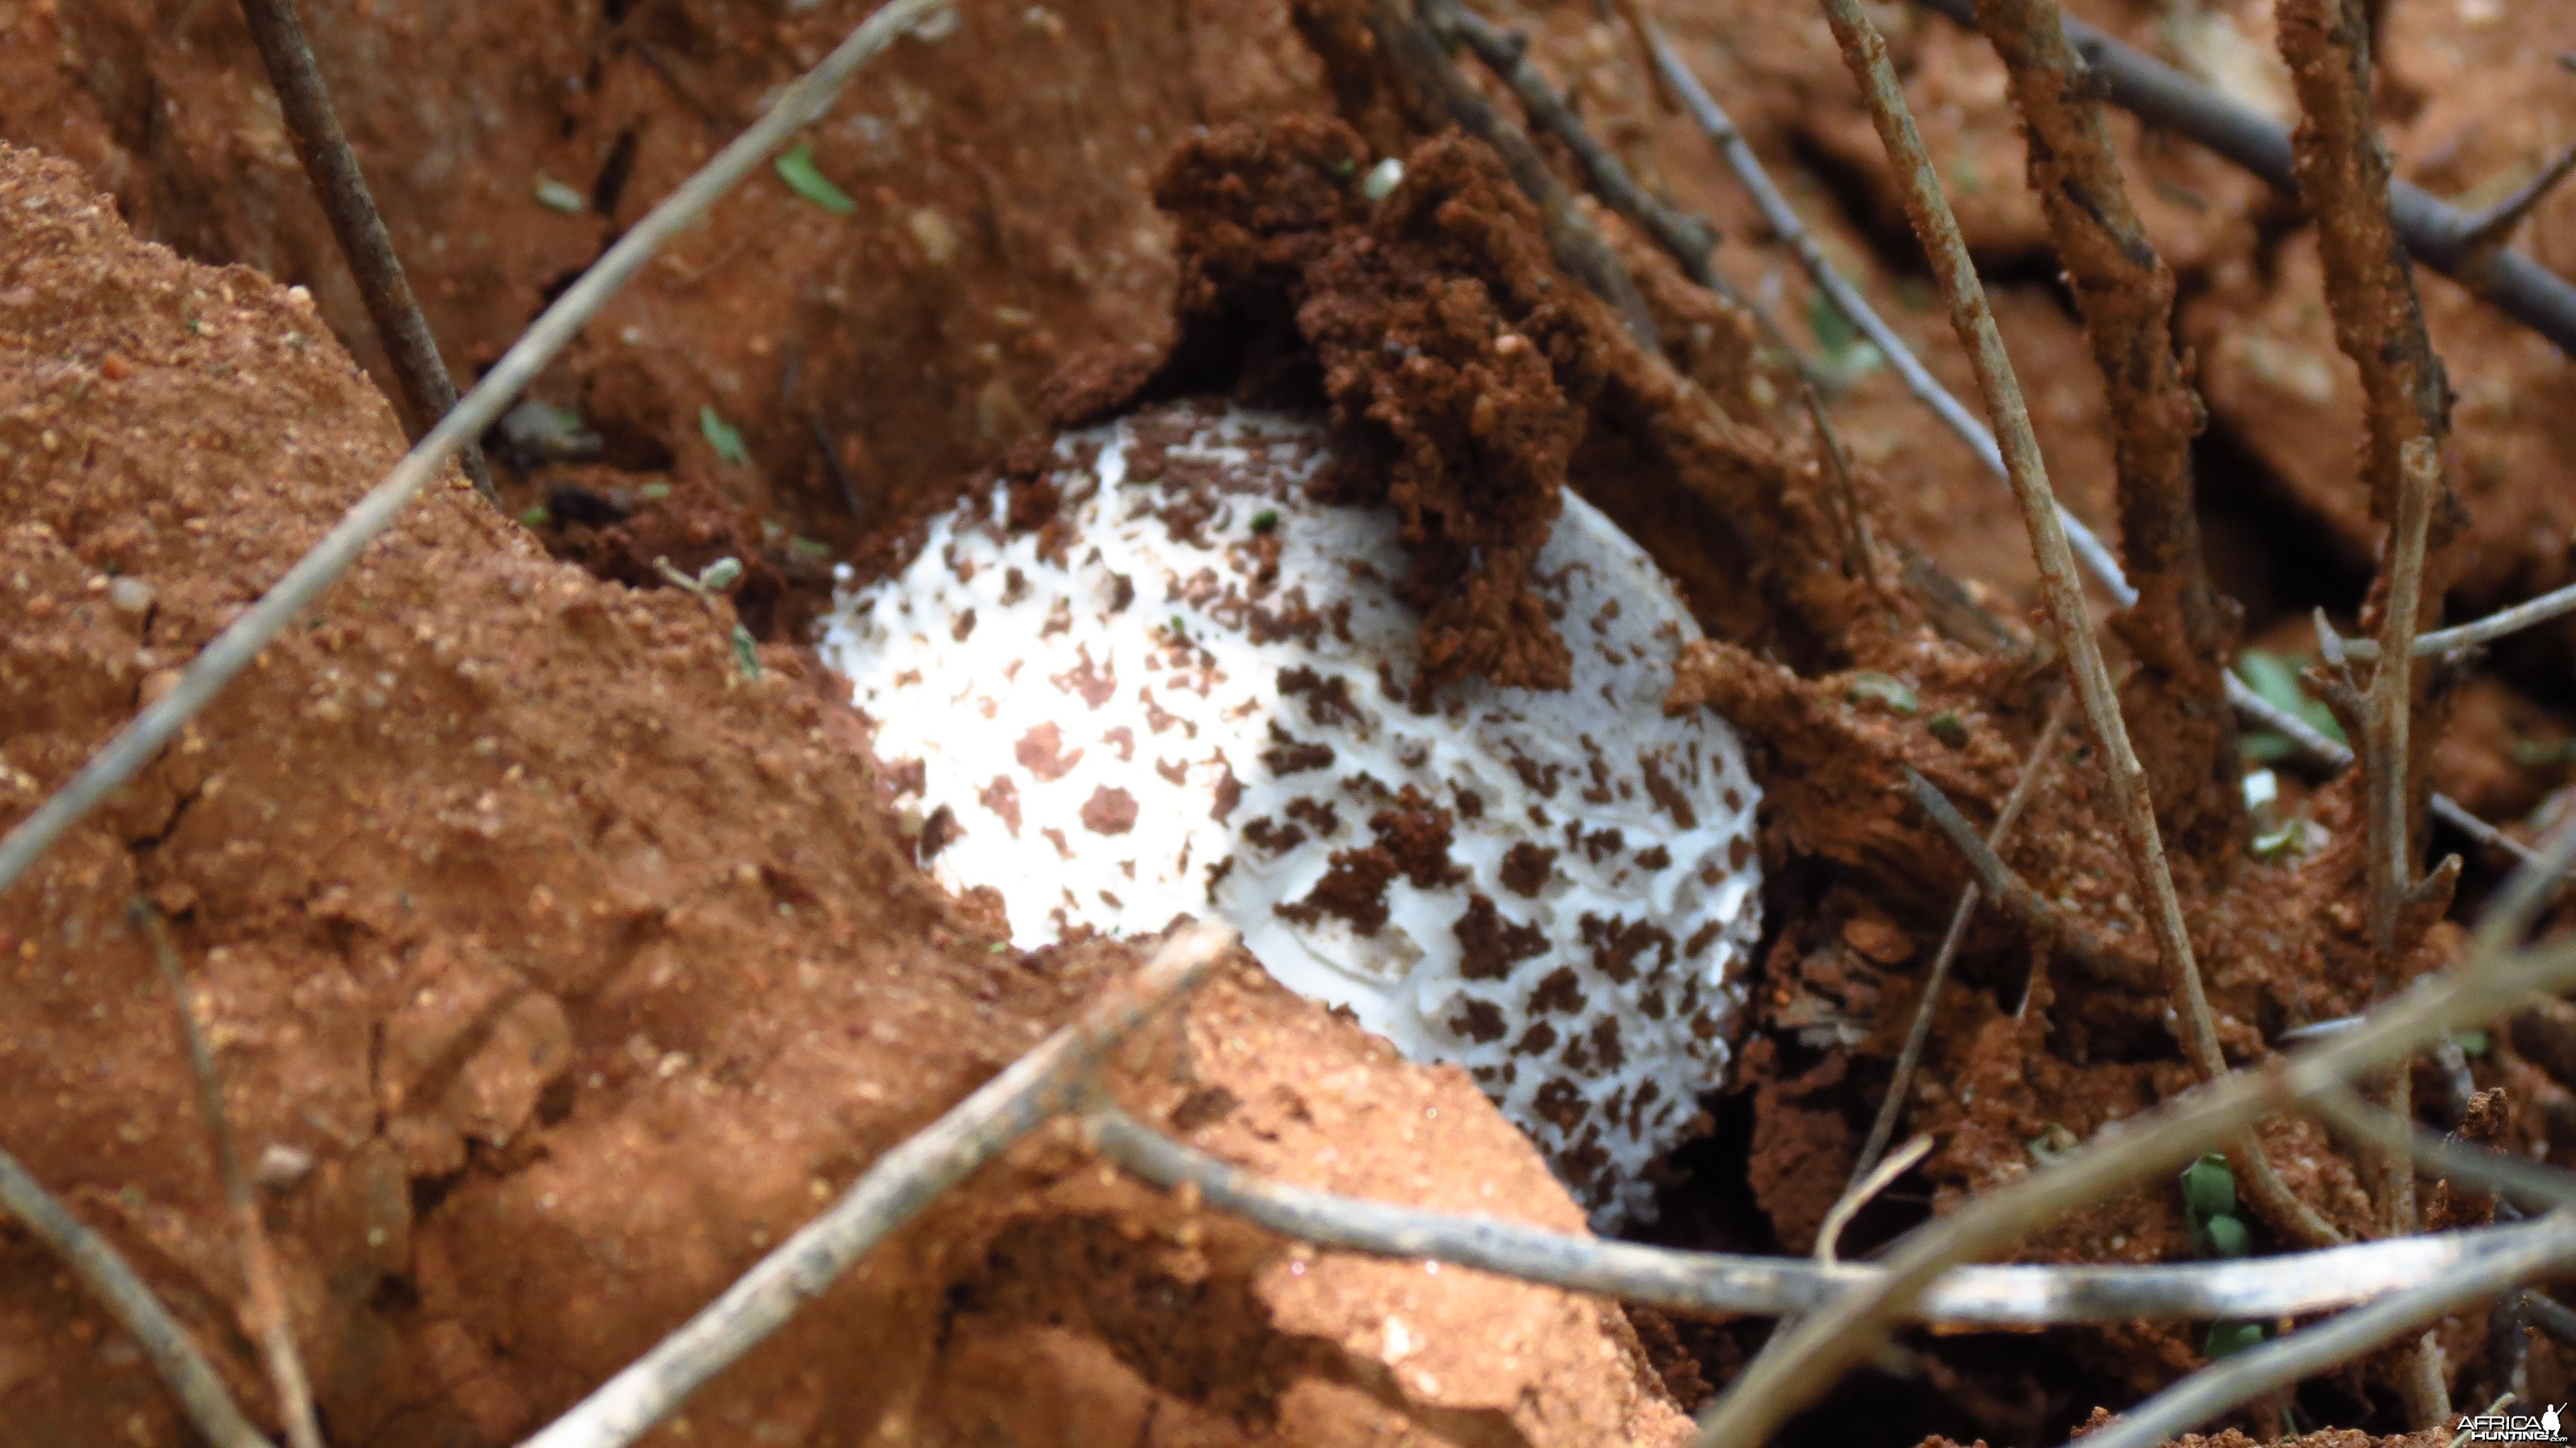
1189 693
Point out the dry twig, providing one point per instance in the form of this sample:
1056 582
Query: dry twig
1689 239
1865 51
2032 911
2556 603
2181 631
2096 557
1716 1282
165 1344
2496 981
2436 234
265 1298
2235 1381
808 99
1891 1107
1031 1092
1415 53
428 390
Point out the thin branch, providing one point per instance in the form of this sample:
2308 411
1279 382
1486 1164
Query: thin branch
1891 1107
807 100
2096 557
1416 55
2032 911
1048 1080
2164 97
1689 239
266 1299
2181 632
428 389
2391 709
2398 1136
1847 1331
2557 603
165 1344
2241 1379
2492 226
1862 1191
1865 52
2550 1315
1716 1283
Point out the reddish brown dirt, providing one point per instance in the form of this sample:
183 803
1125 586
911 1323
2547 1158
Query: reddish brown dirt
1005 224
581 968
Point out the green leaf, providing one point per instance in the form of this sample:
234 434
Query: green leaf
2262 746
2226 1237
795 166
2208 1188
1947 728
1266 521
1834 331
721 436
720 575
809 547
2227 1339
657 491
556 196
746 654
536 517
2277 680
1894 693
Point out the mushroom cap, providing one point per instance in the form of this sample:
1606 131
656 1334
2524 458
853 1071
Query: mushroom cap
1191 690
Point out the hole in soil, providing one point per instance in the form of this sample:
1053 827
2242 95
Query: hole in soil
2245 513
614 173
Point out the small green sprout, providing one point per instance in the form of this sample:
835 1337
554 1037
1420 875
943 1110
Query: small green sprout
2227 1339
1266 521
1947 727
1881 689
746 654
2208 1188
1382 179
720 575
795 166
804 547
556 196
657 491
536 517
2277 679
721 436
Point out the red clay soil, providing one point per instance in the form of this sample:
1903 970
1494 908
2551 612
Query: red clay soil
1003 172
557 969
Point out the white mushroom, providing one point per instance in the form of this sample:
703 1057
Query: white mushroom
1190 691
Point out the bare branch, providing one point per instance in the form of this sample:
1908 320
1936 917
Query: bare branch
1724 1283
2556 603
1032 1091
1865 52
2492 226
266 1299
2181 632
807 100
2166 98
1891 1107
2241 1379
1416 55
1847 1331
428 389
165 1344
1689 239
2034 912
